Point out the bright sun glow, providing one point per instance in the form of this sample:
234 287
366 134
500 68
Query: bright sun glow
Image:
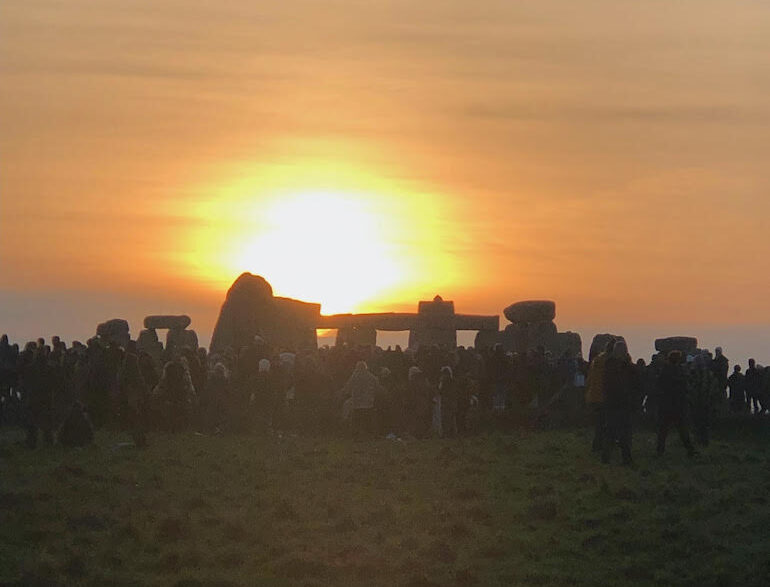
323 246
351 248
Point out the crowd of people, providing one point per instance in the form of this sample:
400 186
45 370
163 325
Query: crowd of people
55 391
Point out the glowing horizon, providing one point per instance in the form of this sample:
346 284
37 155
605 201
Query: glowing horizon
611 156
357 243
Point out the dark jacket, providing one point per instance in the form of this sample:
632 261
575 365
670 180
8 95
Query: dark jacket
619 383
672 389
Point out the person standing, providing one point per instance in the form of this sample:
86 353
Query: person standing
595 394
720 366
619 382
737 385
753 385
672 390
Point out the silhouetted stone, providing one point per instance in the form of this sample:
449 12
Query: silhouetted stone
600 341
523 336
250 310
115 331
567 342
435 324
531 311
687 344
178 338
148 342
167 322
487 339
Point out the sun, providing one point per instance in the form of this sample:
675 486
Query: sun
354 241
321 246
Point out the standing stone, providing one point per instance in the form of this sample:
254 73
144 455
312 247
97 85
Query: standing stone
251 310
148 342
567 342
487 339
115 331
435 324
523 336
599 343
179 338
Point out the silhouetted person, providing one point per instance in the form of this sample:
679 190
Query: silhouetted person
672 390
595 395
720 367
361 390
447 387
704 398
418 405
133 399
619 382
753 384
737 386
77 429
764 393
174 397
38 398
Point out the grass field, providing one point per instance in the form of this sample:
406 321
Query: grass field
527 508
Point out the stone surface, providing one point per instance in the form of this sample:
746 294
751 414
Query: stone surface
523 336
179 338
169 322
487 339
567 342
148 342
435 324
599 343
687 344
250 310
115 331
531 311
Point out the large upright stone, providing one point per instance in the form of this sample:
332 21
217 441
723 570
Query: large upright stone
115 331
487 339
251 310
568 343
523 336
435 324
599 343
179 338
148 342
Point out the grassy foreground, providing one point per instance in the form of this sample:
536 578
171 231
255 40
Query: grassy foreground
520 509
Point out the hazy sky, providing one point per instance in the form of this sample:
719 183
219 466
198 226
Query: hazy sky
610 155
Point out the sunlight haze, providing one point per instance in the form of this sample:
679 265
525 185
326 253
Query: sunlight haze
609 155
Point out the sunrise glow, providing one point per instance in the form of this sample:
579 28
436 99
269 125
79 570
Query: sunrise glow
356 244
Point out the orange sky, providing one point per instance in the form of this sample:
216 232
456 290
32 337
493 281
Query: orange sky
611 155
